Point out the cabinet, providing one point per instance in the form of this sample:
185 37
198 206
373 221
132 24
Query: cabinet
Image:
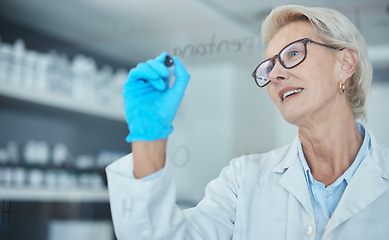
43 191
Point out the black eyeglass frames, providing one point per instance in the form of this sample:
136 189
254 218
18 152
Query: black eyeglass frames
289 57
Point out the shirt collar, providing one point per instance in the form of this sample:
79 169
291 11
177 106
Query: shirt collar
351 170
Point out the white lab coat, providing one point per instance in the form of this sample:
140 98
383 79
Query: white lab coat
263 196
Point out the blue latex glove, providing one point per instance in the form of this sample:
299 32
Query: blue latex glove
150 104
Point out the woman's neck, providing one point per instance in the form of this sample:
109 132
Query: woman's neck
330 147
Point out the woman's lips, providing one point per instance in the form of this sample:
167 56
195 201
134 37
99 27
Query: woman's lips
289 92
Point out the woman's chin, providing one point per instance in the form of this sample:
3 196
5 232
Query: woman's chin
292 117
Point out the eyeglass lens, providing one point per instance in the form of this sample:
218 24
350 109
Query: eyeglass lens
289 57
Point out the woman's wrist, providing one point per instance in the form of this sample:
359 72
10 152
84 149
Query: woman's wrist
149 156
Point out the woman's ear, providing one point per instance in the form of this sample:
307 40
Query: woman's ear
349 62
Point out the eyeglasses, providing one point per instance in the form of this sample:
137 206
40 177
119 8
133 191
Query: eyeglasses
289 57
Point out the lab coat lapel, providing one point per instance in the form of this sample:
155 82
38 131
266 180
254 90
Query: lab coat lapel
367 184
293 178
294 182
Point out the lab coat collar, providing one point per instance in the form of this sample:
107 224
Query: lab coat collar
369 182
289 159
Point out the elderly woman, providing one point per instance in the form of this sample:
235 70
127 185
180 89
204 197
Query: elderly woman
330 183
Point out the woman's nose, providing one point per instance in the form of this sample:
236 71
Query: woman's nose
278 73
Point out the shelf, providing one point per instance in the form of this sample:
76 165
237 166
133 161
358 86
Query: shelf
53 195
62 102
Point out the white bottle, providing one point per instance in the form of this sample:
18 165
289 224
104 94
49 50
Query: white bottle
40 79
116 85
78 73
5 59
35 177
60 154
103 89
13 152
65 77
52 71
19 176
17 59
29 68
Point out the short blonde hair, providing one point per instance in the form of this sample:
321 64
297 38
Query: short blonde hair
334 29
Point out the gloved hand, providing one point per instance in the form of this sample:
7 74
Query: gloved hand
150 104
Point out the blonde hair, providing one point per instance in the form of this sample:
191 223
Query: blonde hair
334 29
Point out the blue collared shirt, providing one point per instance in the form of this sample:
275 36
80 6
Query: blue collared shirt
325 199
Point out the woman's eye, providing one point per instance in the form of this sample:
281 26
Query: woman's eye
293 53
269 69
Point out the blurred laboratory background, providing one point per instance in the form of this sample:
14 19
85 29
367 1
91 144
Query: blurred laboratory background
62 68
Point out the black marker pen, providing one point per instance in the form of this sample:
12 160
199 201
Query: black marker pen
168 62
